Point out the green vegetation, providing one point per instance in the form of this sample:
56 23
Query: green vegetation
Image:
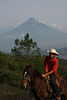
11 69
25 47
12 66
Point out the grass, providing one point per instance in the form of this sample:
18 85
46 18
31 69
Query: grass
11 69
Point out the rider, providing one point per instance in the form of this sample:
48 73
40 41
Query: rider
51 65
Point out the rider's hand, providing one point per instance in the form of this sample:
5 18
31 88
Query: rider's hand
43 75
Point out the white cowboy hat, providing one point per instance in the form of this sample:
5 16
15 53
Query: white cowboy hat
53 51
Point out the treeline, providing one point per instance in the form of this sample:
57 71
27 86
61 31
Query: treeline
10 66
11 71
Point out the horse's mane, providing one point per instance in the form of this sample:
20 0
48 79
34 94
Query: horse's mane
38 74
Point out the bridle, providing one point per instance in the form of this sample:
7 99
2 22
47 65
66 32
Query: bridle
29 81
30 87
26 78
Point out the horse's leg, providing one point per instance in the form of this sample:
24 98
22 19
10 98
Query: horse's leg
66 97
55 98
35 96
43 99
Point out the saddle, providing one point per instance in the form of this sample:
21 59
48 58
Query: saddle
59 81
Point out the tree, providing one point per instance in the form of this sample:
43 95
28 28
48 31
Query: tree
25 47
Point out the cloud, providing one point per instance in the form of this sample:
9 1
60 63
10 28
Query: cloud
56 26
18 35
23 35
14 36
9 36
60 27
53 25
40 21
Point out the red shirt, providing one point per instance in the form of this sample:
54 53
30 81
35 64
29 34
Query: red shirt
51 64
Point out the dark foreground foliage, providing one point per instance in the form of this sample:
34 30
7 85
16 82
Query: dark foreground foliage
11 69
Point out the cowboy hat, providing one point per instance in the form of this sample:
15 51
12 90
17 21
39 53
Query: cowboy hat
53 51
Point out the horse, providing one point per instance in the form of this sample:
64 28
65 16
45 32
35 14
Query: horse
39 85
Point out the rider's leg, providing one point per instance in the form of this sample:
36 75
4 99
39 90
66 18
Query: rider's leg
55 87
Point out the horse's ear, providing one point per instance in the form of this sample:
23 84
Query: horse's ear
33 66
26 65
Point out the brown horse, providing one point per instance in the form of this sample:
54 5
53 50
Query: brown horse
39 85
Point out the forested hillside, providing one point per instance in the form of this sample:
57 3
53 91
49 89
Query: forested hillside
11 71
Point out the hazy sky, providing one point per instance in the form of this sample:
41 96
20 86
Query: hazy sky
15 12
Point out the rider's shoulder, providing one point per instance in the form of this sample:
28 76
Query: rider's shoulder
55 59
47 57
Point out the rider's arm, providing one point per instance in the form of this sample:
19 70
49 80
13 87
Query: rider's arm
55 65
43 75
46 70
45 65
54 69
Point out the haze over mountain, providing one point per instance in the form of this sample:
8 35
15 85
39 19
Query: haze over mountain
44 35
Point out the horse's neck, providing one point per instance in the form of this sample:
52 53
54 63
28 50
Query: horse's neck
35 78
38 84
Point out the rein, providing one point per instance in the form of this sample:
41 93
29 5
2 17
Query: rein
30 87
26 78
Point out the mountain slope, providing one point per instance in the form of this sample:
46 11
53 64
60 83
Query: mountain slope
45 36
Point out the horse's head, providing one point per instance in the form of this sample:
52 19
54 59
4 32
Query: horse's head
26 76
